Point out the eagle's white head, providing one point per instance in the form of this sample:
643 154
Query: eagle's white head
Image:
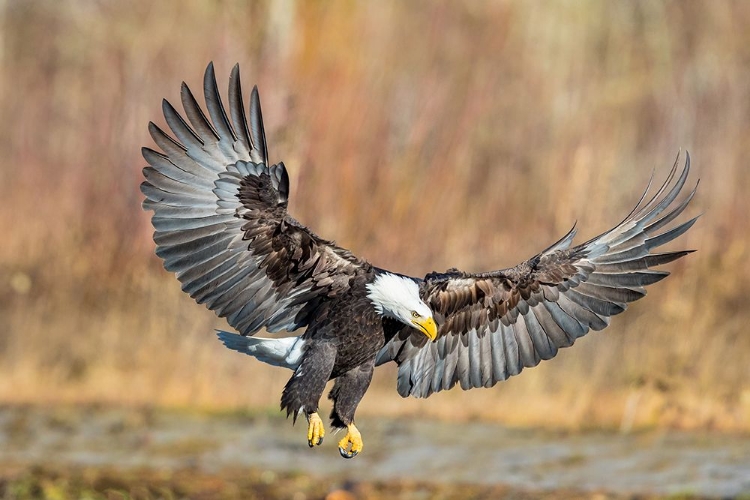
397 297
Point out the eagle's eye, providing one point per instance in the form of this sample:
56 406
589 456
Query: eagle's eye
414 314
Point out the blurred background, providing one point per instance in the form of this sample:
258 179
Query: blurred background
420 135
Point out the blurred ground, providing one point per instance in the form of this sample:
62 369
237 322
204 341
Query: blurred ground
69 452
106 483
421 135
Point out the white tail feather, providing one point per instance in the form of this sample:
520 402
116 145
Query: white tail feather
286 352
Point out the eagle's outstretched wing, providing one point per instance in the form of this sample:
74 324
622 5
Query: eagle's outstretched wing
220 215
492 325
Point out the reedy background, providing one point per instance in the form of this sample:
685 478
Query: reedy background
420 135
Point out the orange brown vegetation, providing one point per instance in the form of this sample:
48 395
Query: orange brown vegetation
421 135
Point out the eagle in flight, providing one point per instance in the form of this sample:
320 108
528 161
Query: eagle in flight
222 226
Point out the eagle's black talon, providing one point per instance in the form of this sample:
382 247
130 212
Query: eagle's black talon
348 454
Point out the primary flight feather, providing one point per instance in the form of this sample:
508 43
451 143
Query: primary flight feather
222 226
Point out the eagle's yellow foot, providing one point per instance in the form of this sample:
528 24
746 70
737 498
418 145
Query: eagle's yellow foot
354 438
315 430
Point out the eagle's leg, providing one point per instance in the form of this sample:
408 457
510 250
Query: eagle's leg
302 392
346 395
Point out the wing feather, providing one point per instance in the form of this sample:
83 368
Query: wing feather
237 109
197 118
512 352
218 115
257 132
512 319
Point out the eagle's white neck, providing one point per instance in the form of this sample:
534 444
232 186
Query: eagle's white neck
396 297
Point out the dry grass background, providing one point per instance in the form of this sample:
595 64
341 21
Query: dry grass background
421 135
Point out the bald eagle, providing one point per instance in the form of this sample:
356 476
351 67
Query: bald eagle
222 226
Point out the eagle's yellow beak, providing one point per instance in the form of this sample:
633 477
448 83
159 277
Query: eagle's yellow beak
426 326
